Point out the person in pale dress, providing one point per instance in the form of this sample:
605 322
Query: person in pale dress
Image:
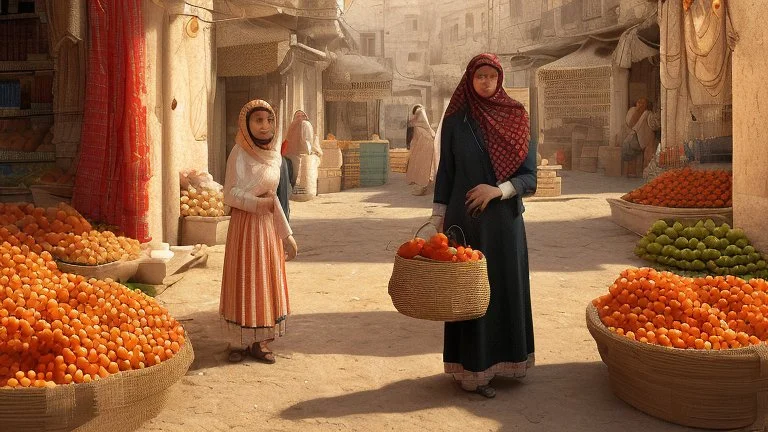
254 291
304 151
422 161
643 121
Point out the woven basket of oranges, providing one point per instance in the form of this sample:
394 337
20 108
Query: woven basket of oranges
78 353
680 359
439 281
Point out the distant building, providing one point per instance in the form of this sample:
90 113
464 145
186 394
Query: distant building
565 52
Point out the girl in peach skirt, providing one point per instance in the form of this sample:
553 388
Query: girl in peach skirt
254 292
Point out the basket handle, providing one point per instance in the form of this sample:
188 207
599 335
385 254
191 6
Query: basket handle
416 234
448 233
453 237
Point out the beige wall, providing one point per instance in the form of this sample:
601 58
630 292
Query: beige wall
155 20
178 68
750 133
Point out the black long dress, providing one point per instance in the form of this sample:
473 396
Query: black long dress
502 340
284 187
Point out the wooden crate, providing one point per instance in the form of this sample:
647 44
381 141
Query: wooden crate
398 160
328 181
209 231
551 187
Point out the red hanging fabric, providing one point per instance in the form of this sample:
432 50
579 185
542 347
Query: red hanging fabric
113 172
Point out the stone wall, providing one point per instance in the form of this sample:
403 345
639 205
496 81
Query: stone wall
750 132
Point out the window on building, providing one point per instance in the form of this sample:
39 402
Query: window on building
454 33
592 9
469 23
411 23
483 21
368 44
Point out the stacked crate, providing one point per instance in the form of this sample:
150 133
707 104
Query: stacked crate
548 183
350 169
398 160
374 163
329 172
589 156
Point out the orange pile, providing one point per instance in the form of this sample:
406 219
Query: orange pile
438 249
63 232
60 328
686 188
705 313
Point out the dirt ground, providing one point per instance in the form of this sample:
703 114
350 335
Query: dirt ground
349 361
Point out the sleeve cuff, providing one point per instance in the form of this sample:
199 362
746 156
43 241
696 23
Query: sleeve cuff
507 190
439 209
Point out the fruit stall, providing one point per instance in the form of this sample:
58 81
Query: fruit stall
203 213
681 194
75 351
691 351
685 338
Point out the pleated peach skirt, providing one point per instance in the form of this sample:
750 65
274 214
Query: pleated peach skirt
254 290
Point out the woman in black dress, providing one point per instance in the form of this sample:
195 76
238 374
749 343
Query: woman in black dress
486 167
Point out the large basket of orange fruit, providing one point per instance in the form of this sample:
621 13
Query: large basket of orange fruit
671 355
77 353
117 403
438 281
681 194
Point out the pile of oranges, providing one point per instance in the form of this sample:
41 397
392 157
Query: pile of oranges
60 328
438 249
686 188
711 313
64 233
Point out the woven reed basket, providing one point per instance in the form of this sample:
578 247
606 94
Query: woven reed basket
438 290
724 389
118 403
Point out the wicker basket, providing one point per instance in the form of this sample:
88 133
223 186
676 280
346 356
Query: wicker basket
440 291
118 403
120 271
638 218
705 389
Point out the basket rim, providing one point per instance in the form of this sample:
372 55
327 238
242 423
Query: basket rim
102 266
620 201
429 260
120 375
758 352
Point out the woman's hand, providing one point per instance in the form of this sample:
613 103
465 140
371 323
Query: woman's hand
478 197
291 249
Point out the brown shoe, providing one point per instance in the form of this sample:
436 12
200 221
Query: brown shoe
262 354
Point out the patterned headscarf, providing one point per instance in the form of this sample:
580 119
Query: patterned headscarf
503 120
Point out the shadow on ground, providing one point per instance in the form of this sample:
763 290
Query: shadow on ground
360 334
578 245
565 397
